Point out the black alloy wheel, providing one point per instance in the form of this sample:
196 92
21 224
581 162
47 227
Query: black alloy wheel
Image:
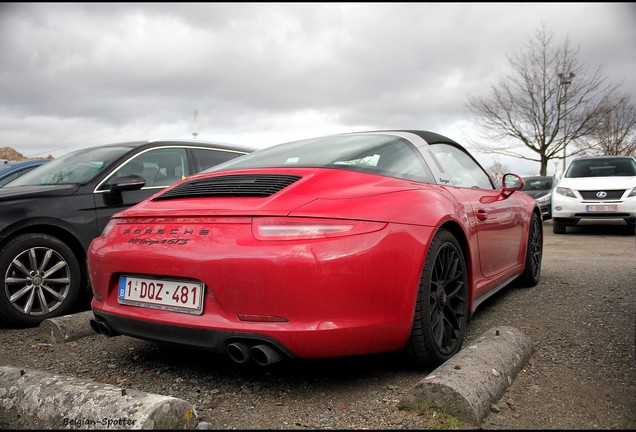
441 311
534 254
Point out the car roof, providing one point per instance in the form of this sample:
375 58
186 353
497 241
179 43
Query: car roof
604 157
9 167
25 162
172 141
429 137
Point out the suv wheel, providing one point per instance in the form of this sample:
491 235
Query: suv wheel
558 228
40 279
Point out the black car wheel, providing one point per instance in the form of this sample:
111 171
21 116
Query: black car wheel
534 255
441 310
558 228
40 279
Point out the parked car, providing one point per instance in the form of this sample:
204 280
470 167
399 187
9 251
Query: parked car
50 215
540 188
11 170
341 245
600 188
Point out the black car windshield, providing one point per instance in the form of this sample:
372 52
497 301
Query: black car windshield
602 167
537 183
376 154
78 167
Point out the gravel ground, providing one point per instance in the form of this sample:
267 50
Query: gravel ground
581 318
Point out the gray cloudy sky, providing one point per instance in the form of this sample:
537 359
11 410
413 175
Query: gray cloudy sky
82 74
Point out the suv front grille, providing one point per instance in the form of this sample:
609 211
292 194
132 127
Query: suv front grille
612 195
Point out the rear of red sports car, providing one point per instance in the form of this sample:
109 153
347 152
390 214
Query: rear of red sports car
325 268
336 246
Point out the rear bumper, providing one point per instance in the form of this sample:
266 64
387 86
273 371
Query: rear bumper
212 340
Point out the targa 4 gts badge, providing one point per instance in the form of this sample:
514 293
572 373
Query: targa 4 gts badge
178 241
170 241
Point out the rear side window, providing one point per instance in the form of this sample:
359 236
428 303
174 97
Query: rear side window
207 158
460 169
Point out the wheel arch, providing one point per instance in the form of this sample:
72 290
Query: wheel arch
458 232
536 211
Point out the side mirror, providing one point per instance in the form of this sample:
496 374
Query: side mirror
127 182
511 182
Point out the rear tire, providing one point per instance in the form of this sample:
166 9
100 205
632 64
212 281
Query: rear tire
441 310
40 279
534 253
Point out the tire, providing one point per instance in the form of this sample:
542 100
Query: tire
534 254
558 228
441 310
40 279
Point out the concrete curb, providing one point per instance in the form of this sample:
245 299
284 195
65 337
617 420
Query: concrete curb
465 386
469 383
67 328
47 401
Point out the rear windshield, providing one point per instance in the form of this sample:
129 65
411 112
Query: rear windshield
374 154
602 167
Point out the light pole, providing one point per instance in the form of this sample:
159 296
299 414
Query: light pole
566 80
194 125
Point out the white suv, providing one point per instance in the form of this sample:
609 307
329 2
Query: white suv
595 188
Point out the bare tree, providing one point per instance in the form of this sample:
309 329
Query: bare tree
616 133
548 102
496 171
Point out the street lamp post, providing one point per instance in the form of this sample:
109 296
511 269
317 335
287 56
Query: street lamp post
194 125
566 80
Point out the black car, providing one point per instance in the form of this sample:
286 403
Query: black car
540 188
49 216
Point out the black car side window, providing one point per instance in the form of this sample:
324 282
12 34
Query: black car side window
159 167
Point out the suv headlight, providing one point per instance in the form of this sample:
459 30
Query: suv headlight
632 193
565 192
544 199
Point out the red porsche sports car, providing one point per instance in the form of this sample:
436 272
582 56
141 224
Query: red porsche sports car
349 244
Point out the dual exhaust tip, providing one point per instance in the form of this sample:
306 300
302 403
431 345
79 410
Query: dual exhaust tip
261 354
240 352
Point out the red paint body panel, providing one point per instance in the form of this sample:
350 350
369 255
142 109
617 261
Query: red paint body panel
347 296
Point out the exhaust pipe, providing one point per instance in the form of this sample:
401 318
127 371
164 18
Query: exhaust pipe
102 327
239 352
264 355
